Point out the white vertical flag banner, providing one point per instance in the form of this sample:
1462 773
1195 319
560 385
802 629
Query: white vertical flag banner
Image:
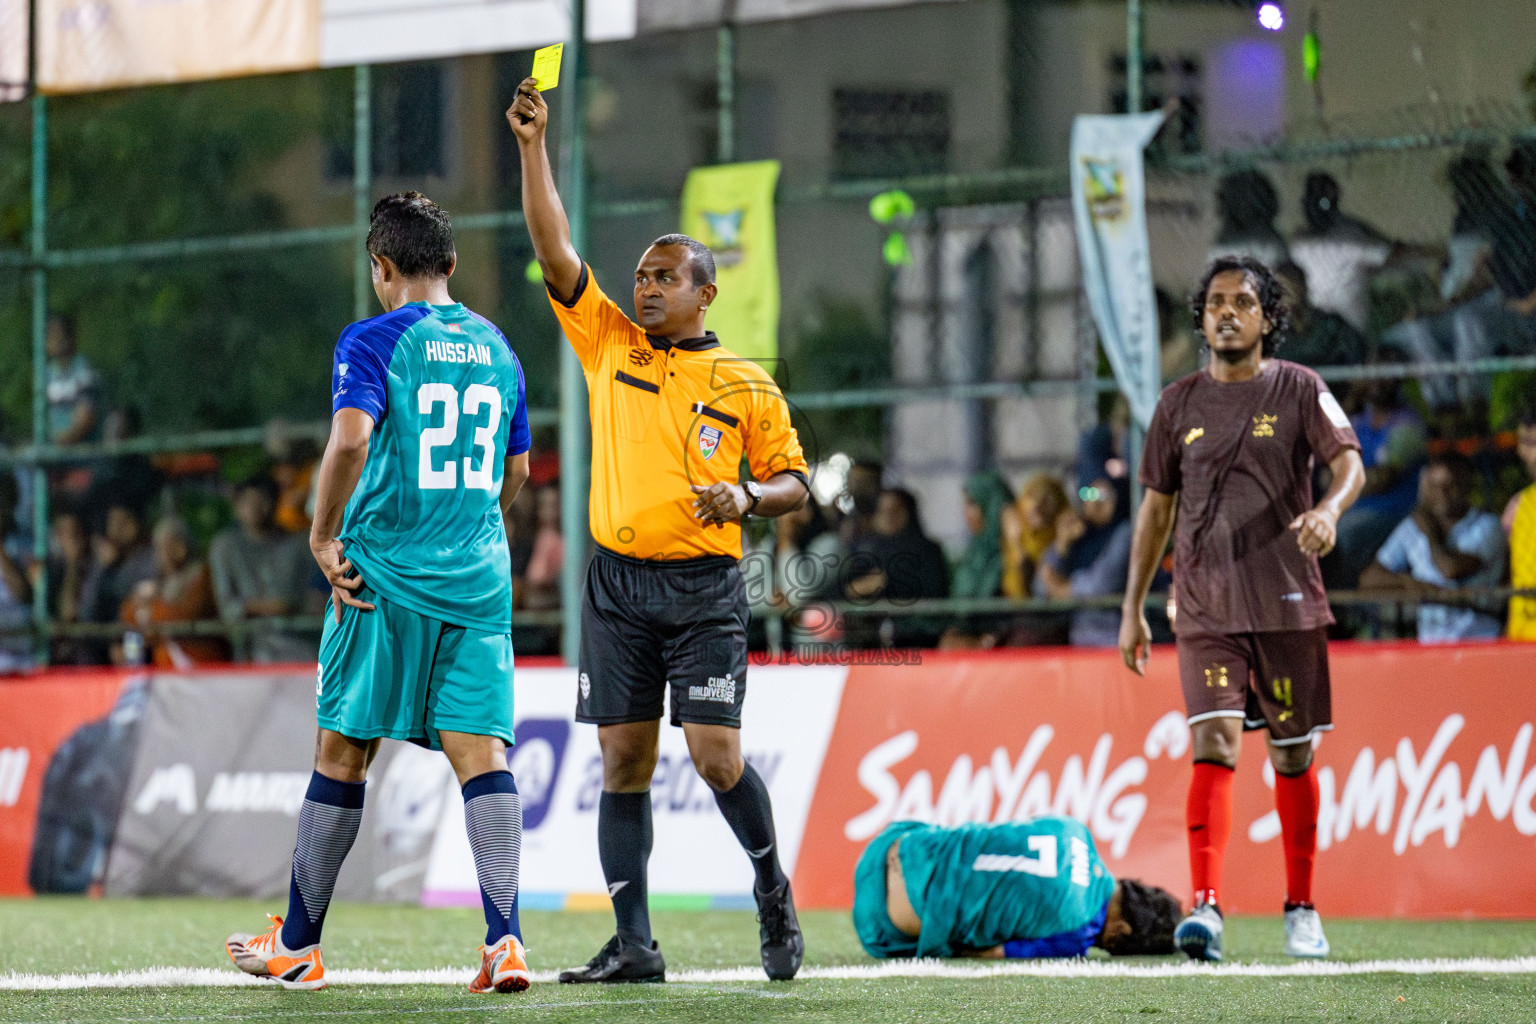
1109 205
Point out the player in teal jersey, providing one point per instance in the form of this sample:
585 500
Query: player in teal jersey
1024 889
429 445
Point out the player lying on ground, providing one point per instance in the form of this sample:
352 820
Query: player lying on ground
429 434
1232 447
674 415
1026 889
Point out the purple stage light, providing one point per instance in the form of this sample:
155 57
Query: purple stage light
1272 17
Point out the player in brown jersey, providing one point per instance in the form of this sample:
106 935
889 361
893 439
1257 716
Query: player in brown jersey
1233 446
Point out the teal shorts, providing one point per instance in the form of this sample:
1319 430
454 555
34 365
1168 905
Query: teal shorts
395 672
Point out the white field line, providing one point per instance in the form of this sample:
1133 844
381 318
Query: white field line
205 977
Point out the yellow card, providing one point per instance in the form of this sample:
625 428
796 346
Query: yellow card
546 66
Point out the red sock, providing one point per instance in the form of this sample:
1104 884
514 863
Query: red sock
1208 815
1296 800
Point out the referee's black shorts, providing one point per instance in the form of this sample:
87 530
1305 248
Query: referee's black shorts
647 624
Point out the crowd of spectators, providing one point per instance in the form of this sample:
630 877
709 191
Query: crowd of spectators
184 559
1440 462
135 542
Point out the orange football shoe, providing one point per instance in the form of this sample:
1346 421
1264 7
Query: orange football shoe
265 956
503 967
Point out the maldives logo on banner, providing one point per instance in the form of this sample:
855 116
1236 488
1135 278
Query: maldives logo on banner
1428 776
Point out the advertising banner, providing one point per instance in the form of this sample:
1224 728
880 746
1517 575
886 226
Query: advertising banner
102 44
1109 205
788 720
214 793
729 208
15 47
1428 781
380 31
61 746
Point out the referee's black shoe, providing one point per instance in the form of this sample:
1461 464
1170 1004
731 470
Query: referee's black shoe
619 961
783 945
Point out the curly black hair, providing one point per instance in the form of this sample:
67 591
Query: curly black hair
1152 913
414 232
1272 297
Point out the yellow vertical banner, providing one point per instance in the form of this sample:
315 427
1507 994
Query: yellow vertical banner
729 208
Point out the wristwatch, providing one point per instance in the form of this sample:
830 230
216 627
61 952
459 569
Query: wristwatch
755 492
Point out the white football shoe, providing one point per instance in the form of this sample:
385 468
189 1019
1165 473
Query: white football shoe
1199 934
1304 934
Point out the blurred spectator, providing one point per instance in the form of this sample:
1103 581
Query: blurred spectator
1101 456
1030 529
180 591
73 388
1318 337
294 460
980 570
1041 502
261 572
122 479
907 565
522 523
860 502
69 563
548 553
1446 545
1338 253
121 559
979 573
1090 557
1512 258
898 562
1477 285
1393 444
1246 205
805 564
1521 168
15 587
1520 526
1178 346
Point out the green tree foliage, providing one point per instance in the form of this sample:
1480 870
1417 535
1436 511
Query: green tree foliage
193 342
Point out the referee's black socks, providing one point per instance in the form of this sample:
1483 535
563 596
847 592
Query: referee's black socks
750 814
624 838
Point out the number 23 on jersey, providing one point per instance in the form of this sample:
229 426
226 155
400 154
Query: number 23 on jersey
476 396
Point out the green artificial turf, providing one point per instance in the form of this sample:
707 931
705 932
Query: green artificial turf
54 936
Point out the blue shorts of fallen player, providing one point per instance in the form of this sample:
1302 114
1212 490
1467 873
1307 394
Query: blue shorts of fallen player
398 673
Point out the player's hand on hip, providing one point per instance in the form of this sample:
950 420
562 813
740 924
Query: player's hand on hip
720 503
529 114
341 575
1316 531
1135 641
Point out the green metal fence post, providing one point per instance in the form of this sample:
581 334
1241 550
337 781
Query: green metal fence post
1135 56
725 92
40 369
362 187
574 465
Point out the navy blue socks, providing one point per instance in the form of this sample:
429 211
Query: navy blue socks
328 823
493 816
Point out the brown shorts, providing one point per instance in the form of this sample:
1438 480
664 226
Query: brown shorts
1279 680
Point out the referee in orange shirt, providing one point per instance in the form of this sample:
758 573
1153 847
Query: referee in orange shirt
673 415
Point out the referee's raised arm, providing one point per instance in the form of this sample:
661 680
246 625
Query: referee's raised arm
547 226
